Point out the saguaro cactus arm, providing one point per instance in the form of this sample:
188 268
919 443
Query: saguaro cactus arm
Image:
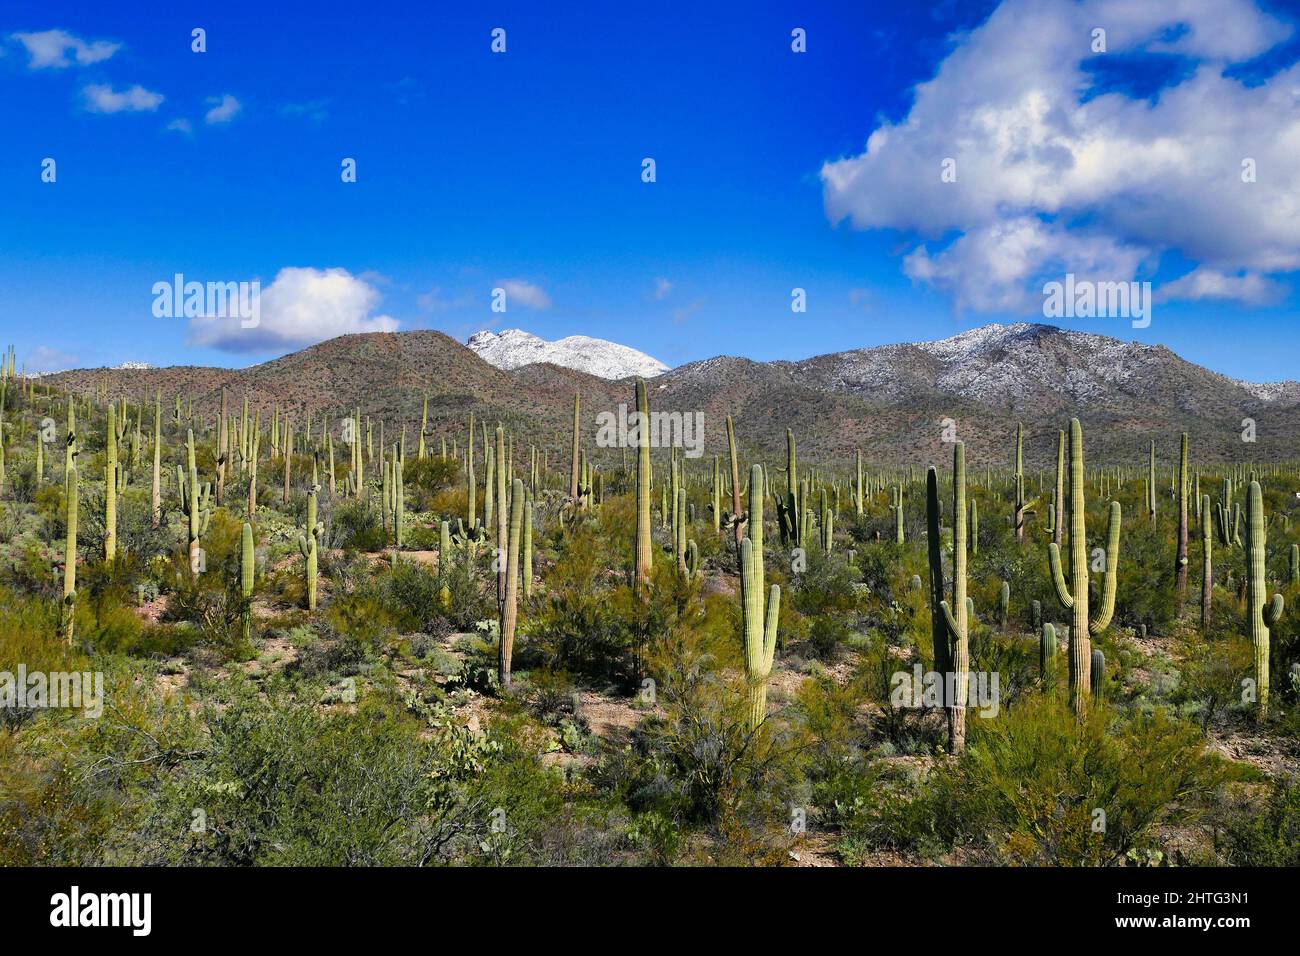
1111 584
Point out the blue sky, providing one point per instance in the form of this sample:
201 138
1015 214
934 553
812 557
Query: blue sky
522 170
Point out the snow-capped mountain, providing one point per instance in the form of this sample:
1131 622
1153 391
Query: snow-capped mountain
514 347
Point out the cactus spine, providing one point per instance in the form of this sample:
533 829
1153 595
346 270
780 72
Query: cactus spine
1259 618
760 632
1082 627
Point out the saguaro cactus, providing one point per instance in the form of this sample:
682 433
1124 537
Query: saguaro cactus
156 495
70 554
1259 618
760 632
1077 601
510 606
110 487
1180 561
247 569
1207 563
953 619
644 547
1046 650
309 545
444 563
195 503
573 470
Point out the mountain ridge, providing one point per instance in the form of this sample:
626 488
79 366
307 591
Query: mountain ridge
887 400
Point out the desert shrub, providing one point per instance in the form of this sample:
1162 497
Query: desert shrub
1031 782
574 626
284 784
1248 834
356 525
1210 680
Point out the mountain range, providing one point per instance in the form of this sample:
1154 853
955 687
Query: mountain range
890 401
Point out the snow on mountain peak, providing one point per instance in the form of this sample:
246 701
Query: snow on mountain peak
514 348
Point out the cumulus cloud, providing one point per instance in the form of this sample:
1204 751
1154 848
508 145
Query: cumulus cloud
180 126
1055 173
527 294
1205 283
302 306
50 49
224 109
102 98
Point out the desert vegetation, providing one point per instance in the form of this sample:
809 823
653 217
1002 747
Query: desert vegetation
327 638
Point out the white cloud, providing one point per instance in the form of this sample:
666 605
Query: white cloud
180 126
302 306
49 49
1205 283
1051 181
527 294
224 109
662 288
44 358
102 98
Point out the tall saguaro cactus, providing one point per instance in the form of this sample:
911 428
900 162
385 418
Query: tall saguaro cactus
70 554
760 631
156 499
110 487
951 621
573 469
247 569
1180 561
1207 563
309 545
644 546
510 604
1259 617
1077 601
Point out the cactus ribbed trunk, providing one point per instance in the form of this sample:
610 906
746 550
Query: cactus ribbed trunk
957 618
110 487
247 567
1074 594
156 495
1207 565
70 554
573 469
1180 562
738 524
510 603
759 630
644 546
1260 613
